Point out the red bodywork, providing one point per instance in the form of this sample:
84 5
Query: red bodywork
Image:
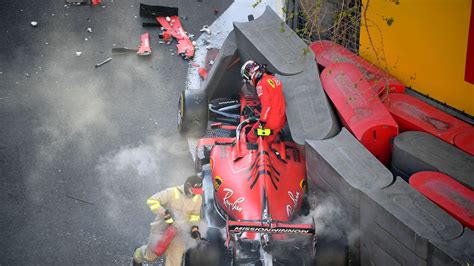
266 183
446 192
144 48
328 53
174 27
360 111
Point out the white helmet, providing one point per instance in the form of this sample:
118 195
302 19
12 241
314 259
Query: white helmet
251 71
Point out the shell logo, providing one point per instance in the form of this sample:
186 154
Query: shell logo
304 184
217 182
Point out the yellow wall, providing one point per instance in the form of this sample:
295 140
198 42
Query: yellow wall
425 47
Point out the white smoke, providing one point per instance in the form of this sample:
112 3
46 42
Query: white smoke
328 215
132 174
334 228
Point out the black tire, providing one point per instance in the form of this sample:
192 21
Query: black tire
192 113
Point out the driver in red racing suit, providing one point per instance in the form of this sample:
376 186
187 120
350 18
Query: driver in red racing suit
269 91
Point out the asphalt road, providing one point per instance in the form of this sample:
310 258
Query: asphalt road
81 148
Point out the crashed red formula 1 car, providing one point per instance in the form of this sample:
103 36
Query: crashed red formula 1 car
253 192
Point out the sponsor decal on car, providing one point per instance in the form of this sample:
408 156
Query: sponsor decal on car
290 209
232 205
271 230
217 182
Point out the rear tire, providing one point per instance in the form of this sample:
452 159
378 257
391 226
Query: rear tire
192 113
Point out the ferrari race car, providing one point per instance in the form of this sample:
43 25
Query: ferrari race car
253 192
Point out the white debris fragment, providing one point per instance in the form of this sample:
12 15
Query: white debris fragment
168 19
136 17
211 62
34 23
78 53
162 42
85 39
206 29
52 15
46 43
194 43
89 30
26 74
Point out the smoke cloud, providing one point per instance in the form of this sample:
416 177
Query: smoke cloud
133 174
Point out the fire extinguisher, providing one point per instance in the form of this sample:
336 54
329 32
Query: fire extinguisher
168 235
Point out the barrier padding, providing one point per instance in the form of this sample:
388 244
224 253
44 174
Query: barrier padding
413 114
465 141
224 78
398 224
328 53
415 151
362 113
355 167
309 113
341 168
458 251
447 193
268 40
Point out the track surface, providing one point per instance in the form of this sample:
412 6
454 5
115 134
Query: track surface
81 148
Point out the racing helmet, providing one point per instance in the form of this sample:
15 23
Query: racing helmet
251 72
193 184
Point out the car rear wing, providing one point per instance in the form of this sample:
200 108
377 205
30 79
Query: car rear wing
270 227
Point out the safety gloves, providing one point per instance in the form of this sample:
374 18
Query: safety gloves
168 217
262 131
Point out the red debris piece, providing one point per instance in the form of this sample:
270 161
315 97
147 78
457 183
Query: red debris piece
96 2
166 36
144 48
173 26
202 73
